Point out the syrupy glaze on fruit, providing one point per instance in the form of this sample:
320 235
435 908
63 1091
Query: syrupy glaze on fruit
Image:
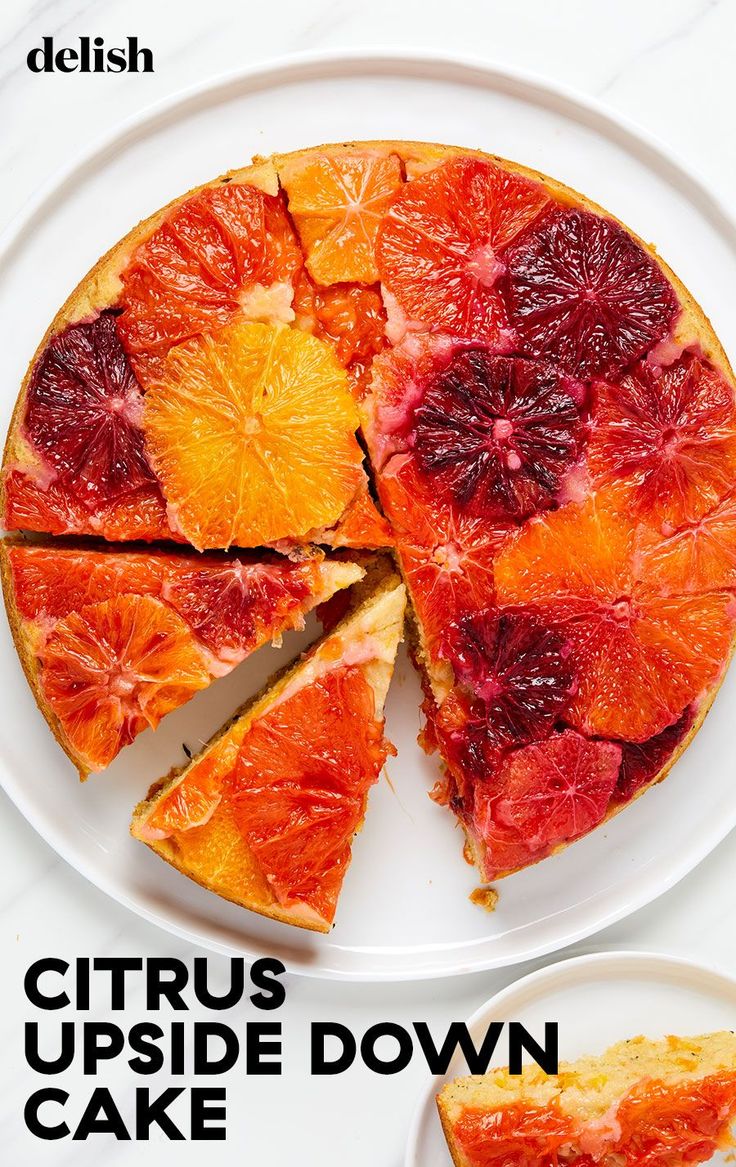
551 433
655 1125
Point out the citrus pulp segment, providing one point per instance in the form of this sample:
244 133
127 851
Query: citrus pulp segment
338 201
266 814
112 640
252 435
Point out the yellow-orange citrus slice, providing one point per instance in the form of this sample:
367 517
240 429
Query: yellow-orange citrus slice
337 203
252 435
111 669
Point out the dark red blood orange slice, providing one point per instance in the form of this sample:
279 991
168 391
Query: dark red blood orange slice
642 762
228 251
447 556
500 432
666 437
557 790
643 652
242 601
438 248
581 291
299 788
111 669
83 414
521 672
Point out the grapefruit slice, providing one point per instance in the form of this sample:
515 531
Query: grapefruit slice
583 292
643 650
439 248
666 439
252 435
337 201
226 252
112 640
644 1103
265 815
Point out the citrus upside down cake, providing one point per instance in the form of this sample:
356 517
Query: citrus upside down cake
355 348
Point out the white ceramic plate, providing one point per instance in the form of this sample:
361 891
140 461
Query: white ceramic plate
405 911
596 1000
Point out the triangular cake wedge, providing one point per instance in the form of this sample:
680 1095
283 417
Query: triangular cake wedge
111 639
266 813
656 1103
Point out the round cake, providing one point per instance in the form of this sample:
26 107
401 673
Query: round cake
373 349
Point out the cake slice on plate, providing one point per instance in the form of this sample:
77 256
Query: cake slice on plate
265 815
111 640
642 1103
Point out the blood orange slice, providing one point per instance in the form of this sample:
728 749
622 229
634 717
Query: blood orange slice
643 651
79 463
337 201
438 248
226 252
252 436
700 556
222 608
582 291
666 438
556 790
266 815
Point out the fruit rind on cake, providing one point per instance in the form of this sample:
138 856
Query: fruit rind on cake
218 853
48 585
600 1109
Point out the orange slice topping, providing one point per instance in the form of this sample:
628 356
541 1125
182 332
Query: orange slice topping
252 436
114 668
337 203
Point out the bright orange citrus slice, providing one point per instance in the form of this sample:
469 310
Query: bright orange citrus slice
643 651
253 436
111 669
337 202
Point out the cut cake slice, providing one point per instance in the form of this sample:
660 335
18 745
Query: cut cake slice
643 1103
111 639
266 813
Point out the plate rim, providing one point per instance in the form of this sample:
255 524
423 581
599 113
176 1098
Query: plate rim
328 64
551 972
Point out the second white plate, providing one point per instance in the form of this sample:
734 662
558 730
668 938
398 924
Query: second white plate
597 1000
404 913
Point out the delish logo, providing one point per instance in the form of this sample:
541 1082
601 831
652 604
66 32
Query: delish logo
91 57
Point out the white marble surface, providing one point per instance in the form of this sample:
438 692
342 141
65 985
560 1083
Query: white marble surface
665 63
